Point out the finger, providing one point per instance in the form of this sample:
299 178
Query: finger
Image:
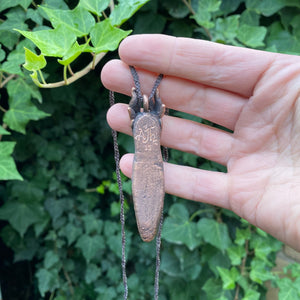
230 68
189 183
218 106
181 134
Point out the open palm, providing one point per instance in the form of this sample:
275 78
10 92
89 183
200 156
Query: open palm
253 93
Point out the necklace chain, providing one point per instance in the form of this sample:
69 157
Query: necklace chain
119 181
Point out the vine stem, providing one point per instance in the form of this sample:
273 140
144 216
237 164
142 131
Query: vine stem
6 80
76 75
4 126
69 281
112 5
189 6
242 266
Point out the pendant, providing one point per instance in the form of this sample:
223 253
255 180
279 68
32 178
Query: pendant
148 188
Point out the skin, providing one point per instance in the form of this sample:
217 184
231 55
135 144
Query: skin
253 93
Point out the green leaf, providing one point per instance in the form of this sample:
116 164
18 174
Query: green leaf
53 42
20 215
149 23
288 290
260 272
204 12
106 37
79 21
90 246
229 277
236 253
48 280
282 40
15 18
124 10
51 258
214 290
214 233
226 29
3 131
209 5
94 6
265 7
8 170
2 54
189 269
21 109
170 264
252 36
71 232
34 62
250 17
251 295
92 273
241 235
4 4
178 229
263 246
34 15
92 224
74 52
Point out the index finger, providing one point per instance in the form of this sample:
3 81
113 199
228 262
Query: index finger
230 68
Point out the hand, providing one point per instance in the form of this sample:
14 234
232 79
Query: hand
253 93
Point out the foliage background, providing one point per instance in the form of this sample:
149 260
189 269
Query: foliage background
60 231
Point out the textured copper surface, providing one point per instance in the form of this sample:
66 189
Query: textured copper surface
148 177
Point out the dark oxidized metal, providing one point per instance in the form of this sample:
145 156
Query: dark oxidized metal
147 176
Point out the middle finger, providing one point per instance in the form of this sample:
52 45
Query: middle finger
218 106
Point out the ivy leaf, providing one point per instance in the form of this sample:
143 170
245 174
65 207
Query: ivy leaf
34 62
213 289
90 245
20 215
4 4
229 277
20 113
71 232
204 12
265 7
21 109
92 273
288 290
124 10
3 131
226 28
259 271
94 6
170 264
251 295
106 37
250 17
214 233
264 246
8 170
241 235
92 224
282 40
73 53
79 21
52 42
15 18
252 36
236 253
178 229
48 280
2 54
51 258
